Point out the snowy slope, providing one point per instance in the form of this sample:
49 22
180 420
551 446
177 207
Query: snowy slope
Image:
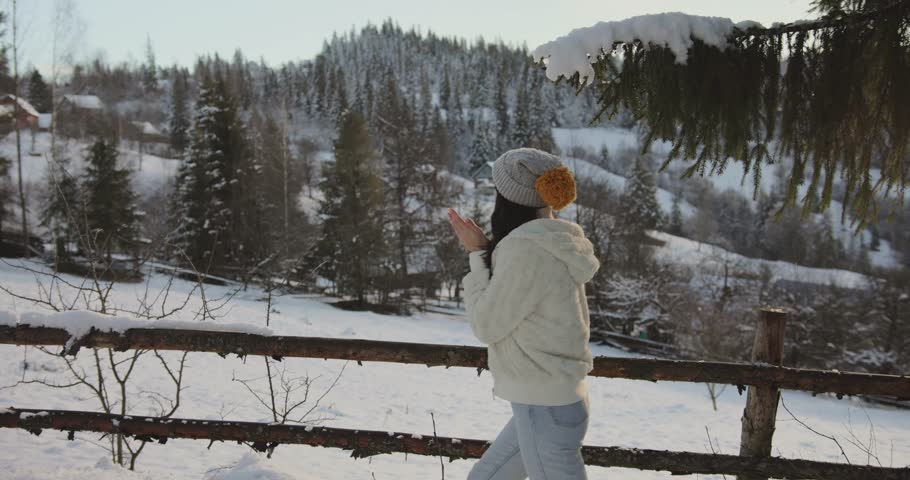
710 260
584 169
386 397
732 178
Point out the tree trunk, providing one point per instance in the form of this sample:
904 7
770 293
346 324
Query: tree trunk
25 237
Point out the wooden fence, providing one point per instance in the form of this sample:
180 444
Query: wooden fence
765 378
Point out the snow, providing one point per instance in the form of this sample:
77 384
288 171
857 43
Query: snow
252 467
79 323
44 120
147 128
575 52
88 102
710 259
383 397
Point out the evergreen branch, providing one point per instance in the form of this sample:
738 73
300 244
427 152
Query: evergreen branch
827 21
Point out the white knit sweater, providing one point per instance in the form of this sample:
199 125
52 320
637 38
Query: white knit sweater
533 314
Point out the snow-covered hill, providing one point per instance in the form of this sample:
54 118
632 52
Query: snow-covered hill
619 140
673 416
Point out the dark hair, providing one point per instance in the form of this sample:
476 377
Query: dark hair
507 216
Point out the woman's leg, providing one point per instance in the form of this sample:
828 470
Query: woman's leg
502 461
550 439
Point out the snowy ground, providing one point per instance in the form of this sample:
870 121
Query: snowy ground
672 416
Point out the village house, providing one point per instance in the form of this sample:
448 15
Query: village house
27 114
81 115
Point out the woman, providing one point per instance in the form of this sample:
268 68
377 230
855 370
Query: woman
525 298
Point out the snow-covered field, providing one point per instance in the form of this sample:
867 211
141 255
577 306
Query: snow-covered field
672 416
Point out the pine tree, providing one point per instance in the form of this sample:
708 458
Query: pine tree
521 128
540 118
6 80
340 98
441 148
179 117
639 210
827 251
39 95
502 108
675 226
321 85
482 149
353 241
6 192
150 69
403 153
605 158
445 90
280 184
425 103
110 205
62 206
206 181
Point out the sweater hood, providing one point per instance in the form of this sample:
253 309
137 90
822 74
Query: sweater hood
564 240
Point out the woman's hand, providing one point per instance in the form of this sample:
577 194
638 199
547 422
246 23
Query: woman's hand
469 234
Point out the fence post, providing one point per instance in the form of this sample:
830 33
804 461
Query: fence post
761 402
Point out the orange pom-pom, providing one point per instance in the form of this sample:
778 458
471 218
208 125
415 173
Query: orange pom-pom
556 187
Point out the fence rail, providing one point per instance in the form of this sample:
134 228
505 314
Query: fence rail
226 343
366 443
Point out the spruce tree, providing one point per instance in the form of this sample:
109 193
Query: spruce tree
207 180
675 225
482 149
502 107
353 241
403 153
39 95
445 91
521 128
150 69
110 205
540 117
179 116
6 192
280 181
61 213
639 210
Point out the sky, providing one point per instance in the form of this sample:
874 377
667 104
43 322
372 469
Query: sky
284 30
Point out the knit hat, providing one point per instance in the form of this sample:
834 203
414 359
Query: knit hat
534 178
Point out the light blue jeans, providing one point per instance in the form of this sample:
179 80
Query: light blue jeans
540 443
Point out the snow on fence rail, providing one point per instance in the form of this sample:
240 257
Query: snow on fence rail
48 329
367 443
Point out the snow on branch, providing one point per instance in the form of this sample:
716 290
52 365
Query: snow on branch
577 51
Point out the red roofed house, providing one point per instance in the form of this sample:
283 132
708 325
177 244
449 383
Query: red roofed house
27 115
